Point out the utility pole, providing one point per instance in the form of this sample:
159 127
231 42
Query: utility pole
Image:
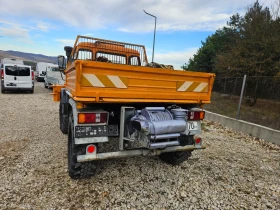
154 33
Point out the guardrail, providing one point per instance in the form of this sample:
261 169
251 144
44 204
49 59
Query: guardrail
262 132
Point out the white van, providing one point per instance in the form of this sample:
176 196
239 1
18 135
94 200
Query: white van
41 69
16 77
12 61
53 76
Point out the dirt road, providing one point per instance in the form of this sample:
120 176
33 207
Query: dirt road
233 172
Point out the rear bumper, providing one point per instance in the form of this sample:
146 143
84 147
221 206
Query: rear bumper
40 78
17 88
30 86
137 152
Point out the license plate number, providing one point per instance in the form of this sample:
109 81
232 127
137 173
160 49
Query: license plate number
192 126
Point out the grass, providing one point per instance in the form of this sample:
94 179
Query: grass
264 112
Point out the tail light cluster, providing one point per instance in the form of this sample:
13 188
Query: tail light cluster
32 75
2 73
196 115
88 118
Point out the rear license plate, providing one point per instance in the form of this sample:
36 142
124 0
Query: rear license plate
96 131
192 126
11 84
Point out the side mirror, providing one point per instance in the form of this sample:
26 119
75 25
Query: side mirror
61 62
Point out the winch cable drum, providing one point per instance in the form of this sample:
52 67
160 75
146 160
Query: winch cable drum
156 114
160 123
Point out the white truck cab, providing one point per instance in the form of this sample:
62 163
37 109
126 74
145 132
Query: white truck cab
41 69
53 76
16 77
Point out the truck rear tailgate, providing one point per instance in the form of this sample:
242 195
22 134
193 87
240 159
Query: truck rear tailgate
106 83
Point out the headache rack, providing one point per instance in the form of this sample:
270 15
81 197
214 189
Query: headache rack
87 48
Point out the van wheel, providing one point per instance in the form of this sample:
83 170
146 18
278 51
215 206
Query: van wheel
77 170
63 120
175 158
46 85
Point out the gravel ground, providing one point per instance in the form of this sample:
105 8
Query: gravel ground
235 171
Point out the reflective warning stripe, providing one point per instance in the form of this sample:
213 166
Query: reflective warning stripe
189 86
111 81
185 86
200 87
117 81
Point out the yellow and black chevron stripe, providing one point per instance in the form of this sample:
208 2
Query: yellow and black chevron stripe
189 86
109 81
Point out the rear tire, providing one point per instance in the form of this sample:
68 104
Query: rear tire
2 90
175 158
63 120
77 170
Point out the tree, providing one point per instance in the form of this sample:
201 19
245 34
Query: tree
205 58
249 44
256 50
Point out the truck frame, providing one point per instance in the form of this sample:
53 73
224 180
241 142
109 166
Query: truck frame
111 90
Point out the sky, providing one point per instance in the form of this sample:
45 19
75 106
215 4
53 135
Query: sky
46 26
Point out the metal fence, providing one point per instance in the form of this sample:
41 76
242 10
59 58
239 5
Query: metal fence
260 101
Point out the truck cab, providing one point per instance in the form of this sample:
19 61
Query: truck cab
106 52
41 69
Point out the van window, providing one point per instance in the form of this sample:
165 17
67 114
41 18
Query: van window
11 71
23 71
17 71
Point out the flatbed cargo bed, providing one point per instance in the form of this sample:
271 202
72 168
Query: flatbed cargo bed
115 83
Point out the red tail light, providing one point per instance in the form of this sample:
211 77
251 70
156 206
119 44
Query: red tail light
196 115
2 73
86 118
32 75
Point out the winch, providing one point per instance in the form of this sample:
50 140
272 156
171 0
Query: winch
159 126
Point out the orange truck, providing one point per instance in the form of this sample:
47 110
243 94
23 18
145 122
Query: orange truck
112 91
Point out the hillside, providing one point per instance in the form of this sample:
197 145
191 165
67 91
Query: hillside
27 56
